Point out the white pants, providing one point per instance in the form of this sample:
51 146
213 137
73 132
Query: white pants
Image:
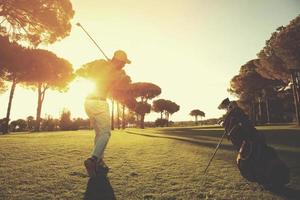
98 112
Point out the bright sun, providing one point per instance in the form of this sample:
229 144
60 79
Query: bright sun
82 86
72 100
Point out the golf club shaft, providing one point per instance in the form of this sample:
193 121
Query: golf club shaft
214 152
78 24
218 148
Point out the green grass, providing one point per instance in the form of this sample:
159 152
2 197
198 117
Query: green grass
162 163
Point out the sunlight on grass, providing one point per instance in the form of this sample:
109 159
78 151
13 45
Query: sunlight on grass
149 166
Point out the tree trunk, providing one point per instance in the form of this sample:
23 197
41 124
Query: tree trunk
11 95
41 96
253 112
112 114
142 121
118 116
123 116
296 100
267 110
167 117
38 111
196 119
259 110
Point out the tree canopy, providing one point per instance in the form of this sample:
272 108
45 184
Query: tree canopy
259 79
248 82
3 87
36 21
46 71
282 52
196 113
13 59
145 90
167 106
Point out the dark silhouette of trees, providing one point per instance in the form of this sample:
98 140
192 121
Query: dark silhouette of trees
120 92
35 68
161 122
18 125
129 102
3 86
30 123
65 122
35 21
79 123
196 113
202 114
281 52
165 107
171 109
2 124
159 105
49 124
12 63
251 87
260 82
280 59
130 117
142 108
46 71
144 91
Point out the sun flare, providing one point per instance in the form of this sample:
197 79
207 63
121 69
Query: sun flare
82 87
72 100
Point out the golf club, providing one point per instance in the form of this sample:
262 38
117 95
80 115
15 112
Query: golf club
78 24
225 133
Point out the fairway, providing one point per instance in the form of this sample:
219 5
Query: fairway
162 163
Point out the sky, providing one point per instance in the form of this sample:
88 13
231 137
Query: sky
190 48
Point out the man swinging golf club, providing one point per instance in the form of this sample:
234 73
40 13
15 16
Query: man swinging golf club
97 109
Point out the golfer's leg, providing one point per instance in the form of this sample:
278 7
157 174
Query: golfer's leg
101 157
102 131
96 129
100 145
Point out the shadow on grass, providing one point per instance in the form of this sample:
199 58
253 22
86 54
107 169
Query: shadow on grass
287 192
274 137
210 137
187 139
289 137
193 132
99 188
287 155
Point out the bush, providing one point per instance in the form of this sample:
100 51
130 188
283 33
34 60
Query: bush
49 124
2 124
18 125
161 122
65 120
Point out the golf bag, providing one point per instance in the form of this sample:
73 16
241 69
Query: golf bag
256 160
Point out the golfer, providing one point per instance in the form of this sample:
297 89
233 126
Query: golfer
97 109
